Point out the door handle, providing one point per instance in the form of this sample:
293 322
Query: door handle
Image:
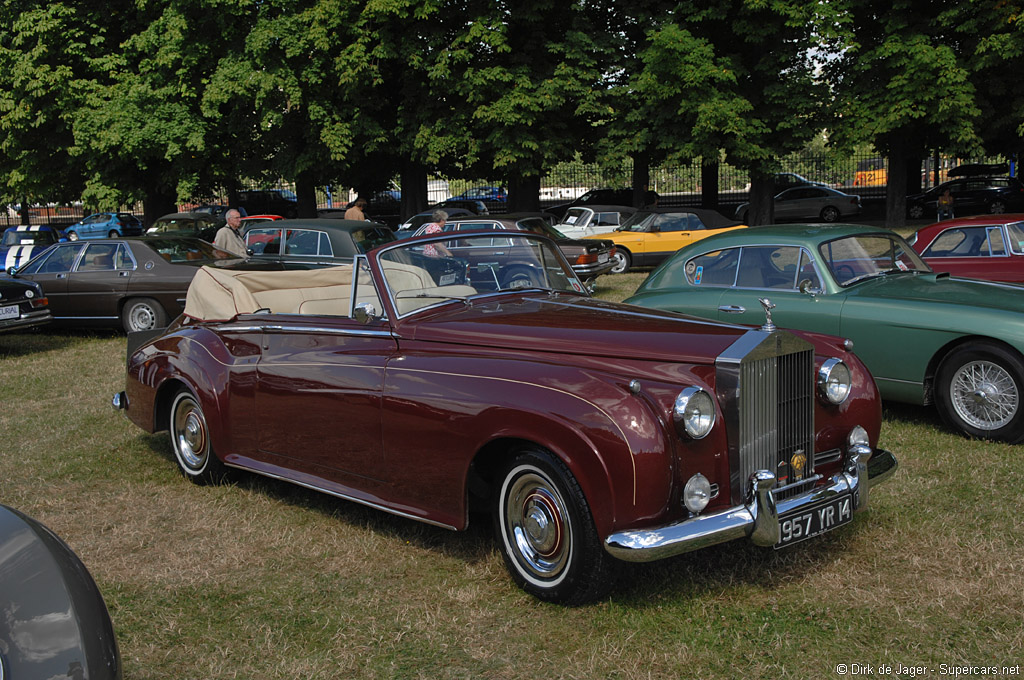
62 276
732 309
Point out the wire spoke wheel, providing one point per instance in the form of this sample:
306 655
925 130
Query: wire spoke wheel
984 395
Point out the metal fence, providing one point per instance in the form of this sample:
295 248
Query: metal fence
862 173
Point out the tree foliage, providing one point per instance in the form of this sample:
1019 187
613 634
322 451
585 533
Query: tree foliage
174 100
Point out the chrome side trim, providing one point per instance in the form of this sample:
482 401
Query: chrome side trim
337 494
353 332
757 520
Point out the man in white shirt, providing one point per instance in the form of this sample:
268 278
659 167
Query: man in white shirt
228 238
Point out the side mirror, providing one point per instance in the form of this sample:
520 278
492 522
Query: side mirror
806 289
12 271
365 312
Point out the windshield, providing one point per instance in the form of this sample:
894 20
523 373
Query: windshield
636 221
574 217
33 238
855 258
187 250
423 272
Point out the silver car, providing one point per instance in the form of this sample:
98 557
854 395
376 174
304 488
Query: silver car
810 203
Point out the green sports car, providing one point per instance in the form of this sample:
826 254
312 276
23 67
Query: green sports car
926 337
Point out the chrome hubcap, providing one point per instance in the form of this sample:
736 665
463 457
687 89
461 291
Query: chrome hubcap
984 395
190 440
535 519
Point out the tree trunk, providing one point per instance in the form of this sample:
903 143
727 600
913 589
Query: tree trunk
709 185
641 179
305 191
761 206
896 188
158 202
414 190
524 193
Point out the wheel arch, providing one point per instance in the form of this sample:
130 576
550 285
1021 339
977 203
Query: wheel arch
932 369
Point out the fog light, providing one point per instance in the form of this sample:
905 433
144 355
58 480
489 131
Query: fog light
694 412
858 437
697 493
834 381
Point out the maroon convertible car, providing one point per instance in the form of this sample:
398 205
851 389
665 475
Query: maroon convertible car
435 374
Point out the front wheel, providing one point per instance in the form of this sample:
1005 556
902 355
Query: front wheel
72 235
915 211
190 438
829 214
546 532
622 261
979 392
142 314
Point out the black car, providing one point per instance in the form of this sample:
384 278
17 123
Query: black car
269 202
202 225
602 197
316 241
22 305
971 196
55 623
589 258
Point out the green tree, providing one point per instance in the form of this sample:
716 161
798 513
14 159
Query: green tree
902 82
733 77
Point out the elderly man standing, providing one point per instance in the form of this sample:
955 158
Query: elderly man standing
228 238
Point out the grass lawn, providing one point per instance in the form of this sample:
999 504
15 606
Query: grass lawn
266 580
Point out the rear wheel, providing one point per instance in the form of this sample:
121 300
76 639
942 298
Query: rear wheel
829 214
547 534
142 314
997 207
190 439
915 211
979 392
113 234
622 260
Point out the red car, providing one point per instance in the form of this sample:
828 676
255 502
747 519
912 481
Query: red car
426 379
981 247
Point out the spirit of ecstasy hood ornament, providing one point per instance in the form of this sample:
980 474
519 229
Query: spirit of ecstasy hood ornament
768 326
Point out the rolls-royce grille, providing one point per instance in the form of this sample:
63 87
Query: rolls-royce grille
765 384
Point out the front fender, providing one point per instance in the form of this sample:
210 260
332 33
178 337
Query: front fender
439 413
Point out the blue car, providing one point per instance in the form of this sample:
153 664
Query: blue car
493 194
19 244
106 225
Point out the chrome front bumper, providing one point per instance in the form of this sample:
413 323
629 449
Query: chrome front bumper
758 520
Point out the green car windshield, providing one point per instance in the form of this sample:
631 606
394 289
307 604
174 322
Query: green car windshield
865 256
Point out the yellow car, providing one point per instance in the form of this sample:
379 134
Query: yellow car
652 234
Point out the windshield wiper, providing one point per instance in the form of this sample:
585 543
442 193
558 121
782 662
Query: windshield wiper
438 296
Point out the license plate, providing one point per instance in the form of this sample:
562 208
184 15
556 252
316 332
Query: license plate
818 519
603 257
10 312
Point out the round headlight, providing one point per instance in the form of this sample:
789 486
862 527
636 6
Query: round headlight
694 412
697 493
834 381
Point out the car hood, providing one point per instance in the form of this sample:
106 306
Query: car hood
569 324
941 288
585 244
55 621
